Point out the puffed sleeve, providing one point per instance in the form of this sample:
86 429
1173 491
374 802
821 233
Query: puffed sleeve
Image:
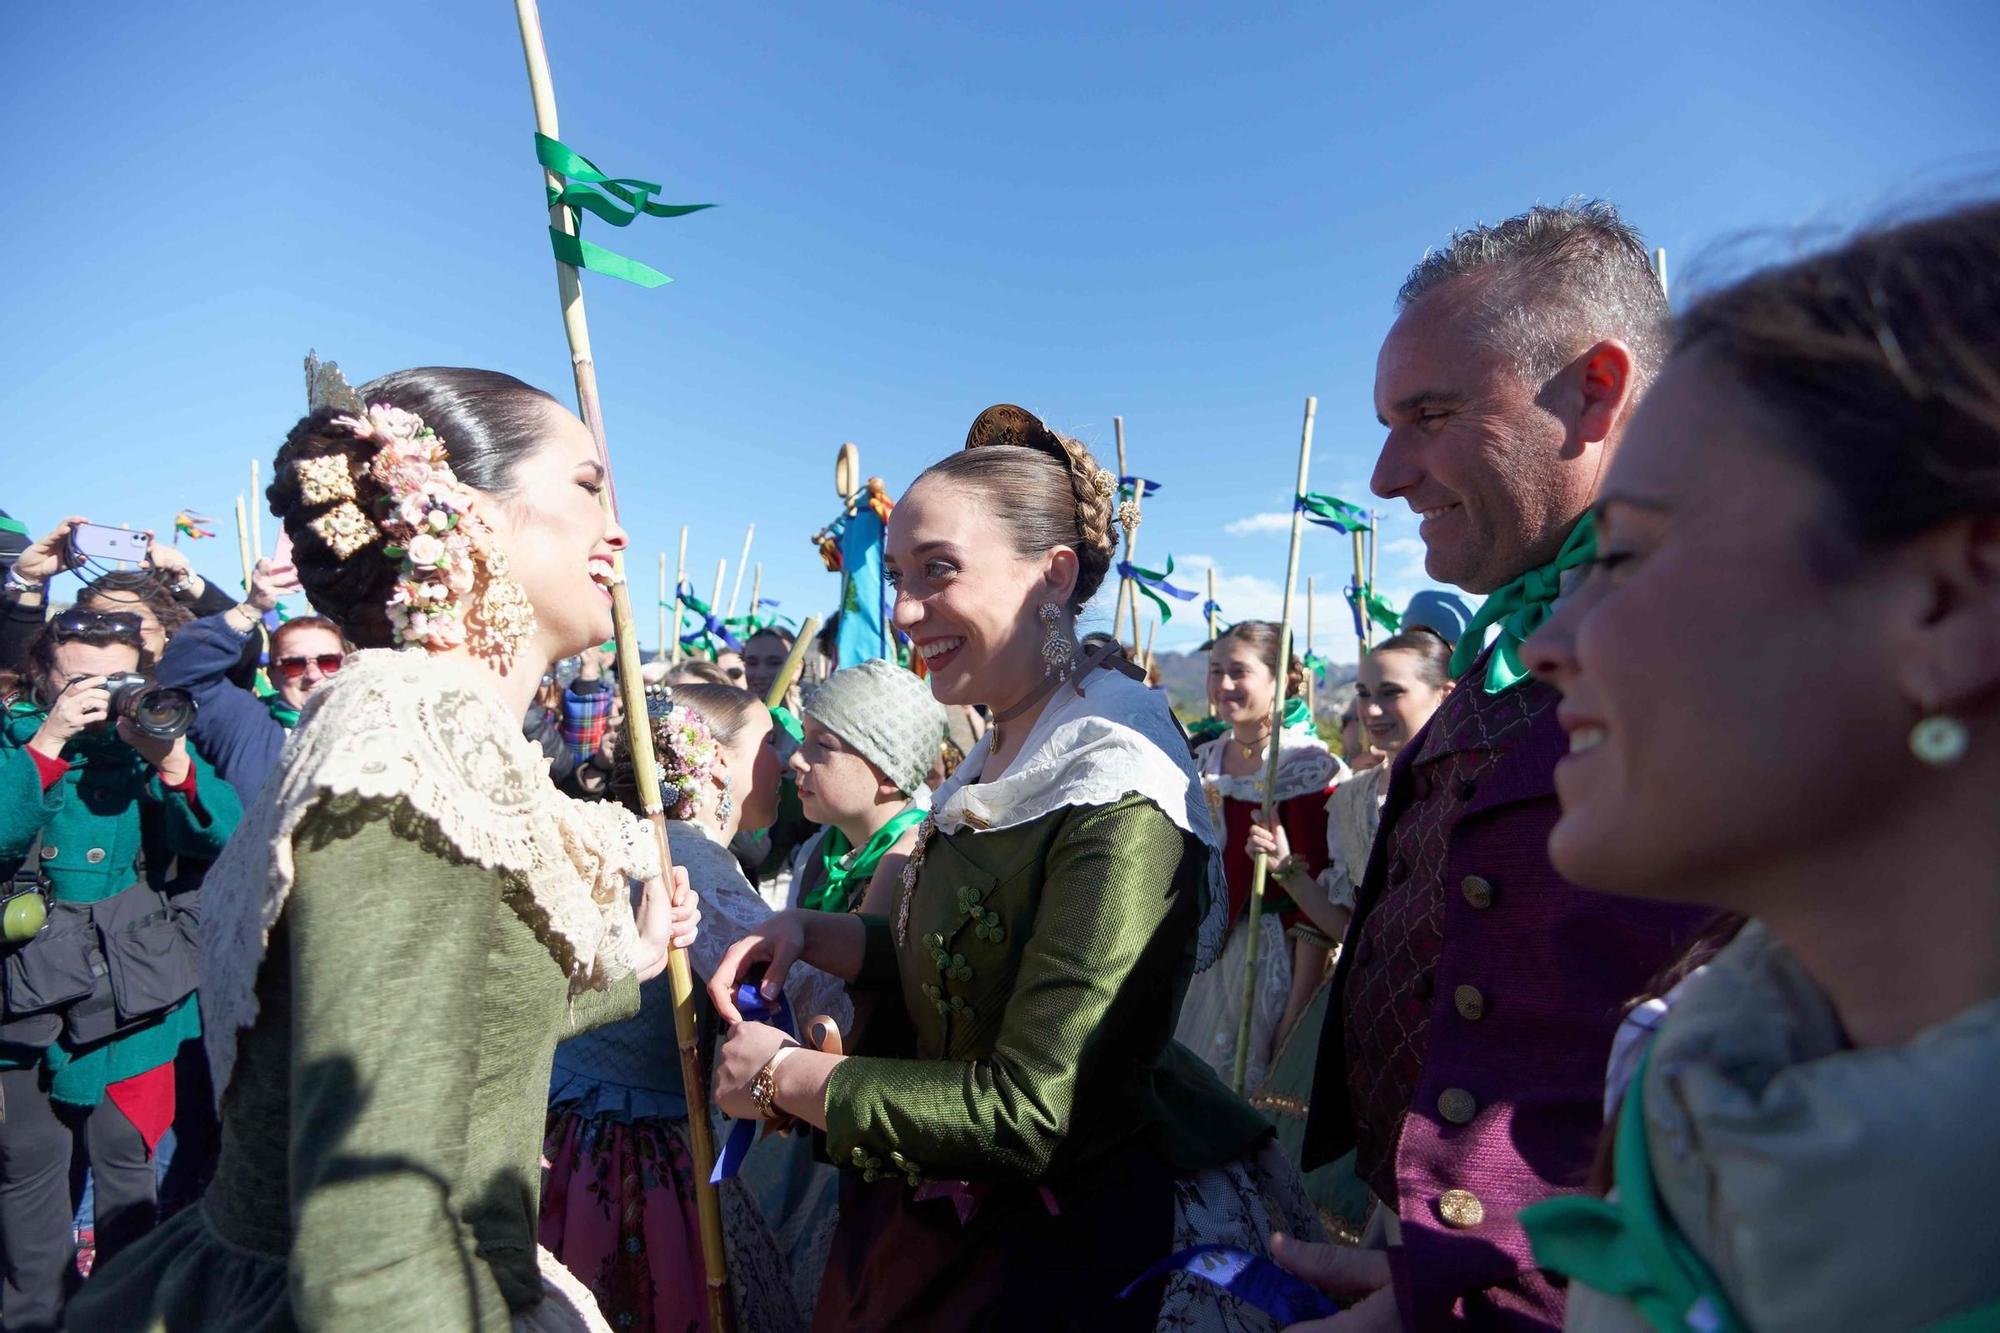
1107 938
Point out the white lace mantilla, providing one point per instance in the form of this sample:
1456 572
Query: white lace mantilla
1115 739
423 738
1305 768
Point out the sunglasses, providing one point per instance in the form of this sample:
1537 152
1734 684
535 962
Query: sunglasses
291 668
74 623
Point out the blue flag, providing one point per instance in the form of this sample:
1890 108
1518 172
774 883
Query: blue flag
864 620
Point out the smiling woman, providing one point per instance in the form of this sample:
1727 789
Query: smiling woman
1039 942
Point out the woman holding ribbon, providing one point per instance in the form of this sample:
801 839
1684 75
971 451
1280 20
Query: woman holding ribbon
619 1205
410 915
1033 1139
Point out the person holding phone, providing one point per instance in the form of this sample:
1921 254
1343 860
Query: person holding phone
98 805
237 731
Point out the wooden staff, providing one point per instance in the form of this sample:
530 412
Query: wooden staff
1372 517
1124 584
715 600
1312 596
756 592
1660 270
1132 534
736 590
1361 591
794 661
662 656
243 542
1152 628
256 514
1209 611
1260 865
680 579
638 735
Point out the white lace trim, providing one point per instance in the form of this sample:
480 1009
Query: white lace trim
1305 768
1116 739
408 730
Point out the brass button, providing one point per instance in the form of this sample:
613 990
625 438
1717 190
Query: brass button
1471 1004
1461 1209
94 855
1478 891
48 853
1457 1106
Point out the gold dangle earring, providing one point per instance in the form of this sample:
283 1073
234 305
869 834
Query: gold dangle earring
1058 648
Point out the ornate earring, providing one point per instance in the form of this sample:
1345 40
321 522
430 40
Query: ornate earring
502 618
1940 740
1058 649
726 806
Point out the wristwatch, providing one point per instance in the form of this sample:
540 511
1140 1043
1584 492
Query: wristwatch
764 1087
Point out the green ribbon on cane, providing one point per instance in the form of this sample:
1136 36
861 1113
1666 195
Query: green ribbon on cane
1380 610
1519 610
615 199
1153 582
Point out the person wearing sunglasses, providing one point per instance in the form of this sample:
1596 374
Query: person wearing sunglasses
236 730
102 809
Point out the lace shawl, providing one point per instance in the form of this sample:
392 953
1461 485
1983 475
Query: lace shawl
1114 740
424 739
1305 768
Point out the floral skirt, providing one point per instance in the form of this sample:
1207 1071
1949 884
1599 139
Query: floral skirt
618 1209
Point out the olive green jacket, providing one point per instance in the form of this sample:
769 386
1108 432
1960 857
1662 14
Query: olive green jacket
1042 971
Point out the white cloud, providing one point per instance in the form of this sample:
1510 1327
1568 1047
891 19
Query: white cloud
1256 523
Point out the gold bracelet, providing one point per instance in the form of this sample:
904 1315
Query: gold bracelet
764 1087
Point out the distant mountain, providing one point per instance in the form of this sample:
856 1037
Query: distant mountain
1185 677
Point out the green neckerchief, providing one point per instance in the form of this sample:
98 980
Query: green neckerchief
1628 1247
847 876
1519 610
782 719
1298 717
282 713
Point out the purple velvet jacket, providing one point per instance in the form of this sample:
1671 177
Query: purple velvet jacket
1500 1026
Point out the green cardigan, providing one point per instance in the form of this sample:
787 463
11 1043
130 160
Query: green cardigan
382 1132
94 823
1043 973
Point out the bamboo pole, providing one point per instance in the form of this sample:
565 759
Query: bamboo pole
1312 694
694 1079
256 513
1373 517
663 607
736 590
1361 591
1660 271
1131 542
715 601
1131 536
243 542
680 581
756 592
794 661
1260 866
1152 628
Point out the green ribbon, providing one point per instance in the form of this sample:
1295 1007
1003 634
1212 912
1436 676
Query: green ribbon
615 199
845 873
1332 512
1628 1247
782 719
1519 610
1298 717
1381 610
1153 582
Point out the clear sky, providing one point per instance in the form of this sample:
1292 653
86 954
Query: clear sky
1190 216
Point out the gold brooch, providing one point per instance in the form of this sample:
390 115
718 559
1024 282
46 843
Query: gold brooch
324 480
345 529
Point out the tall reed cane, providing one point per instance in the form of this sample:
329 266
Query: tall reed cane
1312 693
1260 866
663 608
1209 612
638 735
794 661
736 589
674 653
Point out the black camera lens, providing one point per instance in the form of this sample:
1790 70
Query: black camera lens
162 712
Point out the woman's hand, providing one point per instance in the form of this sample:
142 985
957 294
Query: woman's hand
748 1048
1346 1274
775 945
49 556
667 919
173 565
169 758
82 705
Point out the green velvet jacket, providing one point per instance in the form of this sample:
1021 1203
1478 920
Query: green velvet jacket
1042 973
94 822
382 1130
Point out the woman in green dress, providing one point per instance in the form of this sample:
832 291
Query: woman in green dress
1032 1139
410 916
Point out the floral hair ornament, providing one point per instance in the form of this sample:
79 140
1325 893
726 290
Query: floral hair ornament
345 529
452 587
686 756
324 480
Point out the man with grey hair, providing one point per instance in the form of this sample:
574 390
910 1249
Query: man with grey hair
1464 1049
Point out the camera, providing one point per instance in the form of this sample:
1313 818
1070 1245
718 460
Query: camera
162 712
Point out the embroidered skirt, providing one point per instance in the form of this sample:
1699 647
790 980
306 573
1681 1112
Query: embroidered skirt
1212 1013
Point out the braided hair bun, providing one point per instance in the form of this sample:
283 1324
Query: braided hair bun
1044 487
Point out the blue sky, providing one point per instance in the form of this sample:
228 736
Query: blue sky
1190 216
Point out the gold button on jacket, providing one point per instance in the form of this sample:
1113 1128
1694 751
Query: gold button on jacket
1478 891
1457 1105
1461 1208
1471 1004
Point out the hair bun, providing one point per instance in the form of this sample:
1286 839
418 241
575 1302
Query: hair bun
1004 423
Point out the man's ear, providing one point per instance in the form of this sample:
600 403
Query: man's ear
1604 389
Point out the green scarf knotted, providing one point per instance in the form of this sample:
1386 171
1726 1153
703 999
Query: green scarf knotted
845 872
1519 610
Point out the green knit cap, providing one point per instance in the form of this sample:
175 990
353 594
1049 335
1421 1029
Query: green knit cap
886 714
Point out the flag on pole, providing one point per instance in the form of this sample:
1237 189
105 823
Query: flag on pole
1331 512
192 526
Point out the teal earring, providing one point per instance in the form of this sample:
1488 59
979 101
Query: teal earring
1940 740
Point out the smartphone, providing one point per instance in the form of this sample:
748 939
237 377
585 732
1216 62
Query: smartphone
94 541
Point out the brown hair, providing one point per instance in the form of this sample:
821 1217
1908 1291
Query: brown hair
142 585
1883 359
1045 487
280 634
38 666
1261 638
725 708
702 670
1433 654
489 423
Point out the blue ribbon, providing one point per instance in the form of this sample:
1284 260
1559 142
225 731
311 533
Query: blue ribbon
1332 512
1248 1277
1146 490
1153 582
750 1003
1211 608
